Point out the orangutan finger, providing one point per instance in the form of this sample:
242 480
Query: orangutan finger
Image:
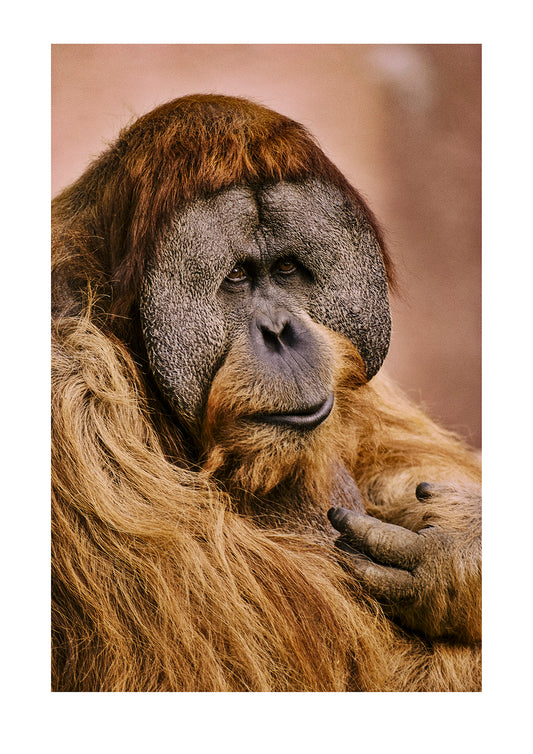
385 584
427 490
424 491
387 543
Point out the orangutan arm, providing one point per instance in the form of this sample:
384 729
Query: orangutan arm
430 581
419 550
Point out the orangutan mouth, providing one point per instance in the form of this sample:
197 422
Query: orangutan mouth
308 419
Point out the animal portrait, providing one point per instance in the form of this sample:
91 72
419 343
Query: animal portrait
242 500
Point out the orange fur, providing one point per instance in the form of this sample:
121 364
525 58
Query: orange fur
174 572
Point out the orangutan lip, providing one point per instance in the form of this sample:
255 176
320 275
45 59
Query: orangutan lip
308 419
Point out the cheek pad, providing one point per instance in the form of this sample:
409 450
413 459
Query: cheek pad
183 327
184 335
353 298
338 246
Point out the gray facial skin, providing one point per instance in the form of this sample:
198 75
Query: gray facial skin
191 313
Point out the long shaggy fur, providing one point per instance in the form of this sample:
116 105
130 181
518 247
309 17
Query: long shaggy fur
168 575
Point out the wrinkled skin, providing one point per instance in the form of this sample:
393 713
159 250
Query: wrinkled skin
256 266
424 579
192 313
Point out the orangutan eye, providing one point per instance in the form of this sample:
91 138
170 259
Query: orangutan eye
237 274
286 266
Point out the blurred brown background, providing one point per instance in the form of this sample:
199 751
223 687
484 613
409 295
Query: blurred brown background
402 122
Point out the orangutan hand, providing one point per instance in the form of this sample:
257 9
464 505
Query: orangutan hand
428 581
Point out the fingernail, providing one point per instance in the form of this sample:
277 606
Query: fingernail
423 491
331 513
337 516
